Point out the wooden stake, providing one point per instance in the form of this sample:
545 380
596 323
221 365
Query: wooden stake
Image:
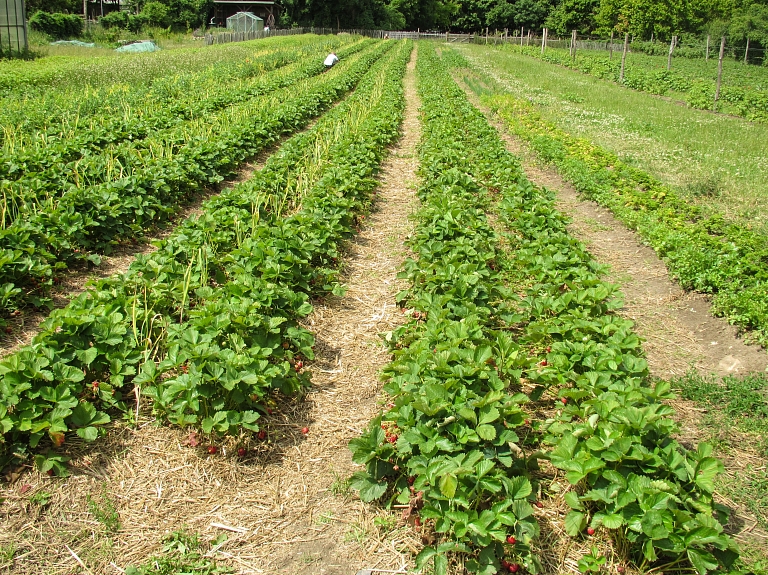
671 48
746 51
522 33
610 47
573 44
624 56
719 73
706 52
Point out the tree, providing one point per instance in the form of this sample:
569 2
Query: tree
576 15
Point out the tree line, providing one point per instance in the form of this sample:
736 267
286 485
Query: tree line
643 19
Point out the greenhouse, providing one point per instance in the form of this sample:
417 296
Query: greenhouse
245 22
13 27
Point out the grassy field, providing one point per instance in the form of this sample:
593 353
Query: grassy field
716 161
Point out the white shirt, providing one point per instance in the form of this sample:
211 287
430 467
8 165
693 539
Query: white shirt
330 60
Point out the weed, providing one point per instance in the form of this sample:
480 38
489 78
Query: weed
340 485
7 552
356 533
41 498
104 511
708 186
182 553
385 522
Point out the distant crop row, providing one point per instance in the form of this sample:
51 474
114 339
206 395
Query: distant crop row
207 325
68 109
704 252
514 357
746 97
151 178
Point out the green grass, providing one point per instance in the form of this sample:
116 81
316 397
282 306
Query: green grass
713 160
739 402
737 422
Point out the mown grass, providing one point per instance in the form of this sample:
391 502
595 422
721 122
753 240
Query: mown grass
713 160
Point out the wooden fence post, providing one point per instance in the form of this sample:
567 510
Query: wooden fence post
522 33
610 47
706 53
719 73
528 41
624 56
671 48
573 44
746 51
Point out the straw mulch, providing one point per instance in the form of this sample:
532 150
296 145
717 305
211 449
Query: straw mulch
286 506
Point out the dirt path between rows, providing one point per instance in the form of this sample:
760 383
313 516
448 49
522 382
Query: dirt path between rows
285 506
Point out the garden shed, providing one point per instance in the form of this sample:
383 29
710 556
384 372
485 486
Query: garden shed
245 22
13 27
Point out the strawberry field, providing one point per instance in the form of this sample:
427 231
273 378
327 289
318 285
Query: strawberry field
518 427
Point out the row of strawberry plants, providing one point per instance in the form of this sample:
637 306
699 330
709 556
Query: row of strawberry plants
500 314
703 251
208 324
90 219
52 161
744 101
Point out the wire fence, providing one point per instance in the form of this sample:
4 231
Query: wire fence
225 37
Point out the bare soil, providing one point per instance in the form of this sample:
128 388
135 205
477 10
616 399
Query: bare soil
285 506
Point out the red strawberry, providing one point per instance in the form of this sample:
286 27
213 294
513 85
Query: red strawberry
539 504
392 438
590 530
514 568
262 435
417 521
269 411
549 349
505 564
305 430
620 569
543 363
564 400
411 480
212 449
241 451
511 540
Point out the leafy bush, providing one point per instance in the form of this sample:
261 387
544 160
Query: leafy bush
156 14
57 26
117 19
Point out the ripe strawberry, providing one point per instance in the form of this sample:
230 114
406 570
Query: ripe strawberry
620 569
299 365
549 349
590 530
241 451
305 430
543 363
539 504
514 568
417 521
505 564
392 438
527 422
511 540
262 435
50 472
564 400
411 480
212 449
269 411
